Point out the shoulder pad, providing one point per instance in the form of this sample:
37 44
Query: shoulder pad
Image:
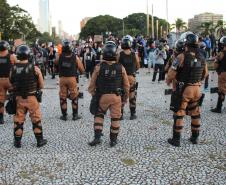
175 64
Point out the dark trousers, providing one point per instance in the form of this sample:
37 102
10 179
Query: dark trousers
160 68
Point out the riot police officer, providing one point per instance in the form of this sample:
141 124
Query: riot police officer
188 70
109 79
26 80
6 60
68 65
130 62
220 66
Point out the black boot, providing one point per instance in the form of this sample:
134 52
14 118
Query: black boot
113 138
17 138
175 141
64 115
97 138
122 118
194 137
63 102
17 141
1 119
75 115
133 113
40 141
219 106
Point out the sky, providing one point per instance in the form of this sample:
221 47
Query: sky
71 12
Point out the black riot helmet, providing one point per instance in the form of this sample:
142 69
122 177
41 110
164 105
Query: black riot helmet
4 45
223 41
23 52
66 46
191 40
127 42
109 51
179 45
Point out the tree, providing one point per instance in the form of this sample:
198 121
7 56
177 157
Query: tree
5 14
134 24
100 25
219 29
15 23
179 25
207 27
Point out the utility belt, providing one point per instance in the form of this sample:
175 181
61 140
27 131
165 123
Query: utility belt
37 94
177 97
118 92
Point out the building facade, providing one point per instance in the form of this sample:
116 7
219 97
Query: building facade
194 24
44 16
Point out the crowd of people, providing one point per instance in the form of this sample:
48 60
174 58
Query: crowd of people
112 68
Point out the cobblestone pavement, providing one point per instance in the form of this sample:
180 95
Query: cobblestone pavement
142 156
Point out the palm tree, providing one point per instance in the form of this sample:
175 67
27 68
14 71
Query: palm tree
207 27
180 25
219 29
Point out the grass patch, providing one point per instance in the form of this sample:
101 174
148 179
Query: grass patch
222 168
166 122
24 175
150 148
128 162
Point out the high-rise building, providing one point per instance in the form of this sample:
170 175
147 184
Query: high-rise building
60 29
84 21
194 24
44 19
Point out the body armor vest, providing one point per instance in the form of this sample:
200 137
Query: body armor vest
193 68
5 66
128 62
109 80
24 79
222 62
67 66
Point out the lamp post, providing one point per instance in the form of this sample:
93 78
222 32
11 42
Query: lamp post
152 23
147 20
167 17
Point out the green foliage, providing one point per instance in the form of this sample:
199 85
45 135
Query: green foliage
207 27
134 24
16 23
100 25
179 25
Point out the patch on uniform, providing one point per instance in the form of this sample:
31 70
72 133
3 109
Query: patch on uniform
3 60
66 64
196 63
19 70
175 64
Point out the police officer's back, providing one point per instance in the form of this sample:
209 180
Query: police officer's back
26 80
188 70
110 82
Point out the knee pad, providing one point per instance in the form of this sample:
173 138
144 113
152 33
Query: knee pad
19 126
37 126
63 101
74 101
114 130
